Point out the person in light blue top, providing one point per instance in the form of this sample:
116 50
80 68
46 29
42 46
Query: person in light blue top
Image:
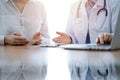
90 21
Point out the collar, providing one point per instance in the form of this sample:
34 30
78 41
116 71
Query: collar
9 0
95 1
98 2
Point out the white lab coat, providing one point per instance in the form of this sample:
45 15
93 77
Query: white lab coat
78 21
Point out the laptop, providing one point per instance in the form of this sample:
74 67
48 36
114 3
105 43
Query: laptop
115 43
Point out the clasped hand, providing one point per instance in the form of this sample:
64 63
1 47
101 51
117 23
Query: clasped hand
17 39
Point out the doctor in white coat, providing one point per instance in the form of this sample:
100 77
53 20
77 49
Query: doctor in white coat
90 21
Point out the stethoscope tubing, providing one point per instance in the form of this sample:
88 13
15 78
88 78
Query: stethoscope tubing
103 9
101 74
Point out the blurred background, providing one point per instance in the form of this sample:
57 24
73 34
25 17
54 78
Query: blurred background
57 14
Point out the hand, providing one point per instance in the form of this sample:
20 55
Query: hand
36 38
15 39
62 39
104 38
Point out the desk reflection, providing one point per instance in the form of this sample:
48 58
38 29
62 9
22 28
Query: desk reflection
22 63
102 66
36 63
93 66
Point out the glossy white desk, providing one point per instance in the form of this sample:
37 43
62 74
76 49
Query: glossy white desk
36 63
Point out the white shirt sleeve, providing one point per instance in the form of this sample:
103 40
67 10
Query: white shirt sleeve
1 40
44 26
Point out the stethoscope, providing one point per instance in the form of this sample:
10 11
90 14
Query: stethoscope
103 75
106 11
106 14
102 9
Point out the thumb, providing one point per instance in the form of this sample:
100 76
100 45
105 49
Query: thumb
60 33
97 41
16 33
37 34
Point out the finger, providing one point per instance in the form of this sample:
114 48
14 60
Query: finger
36 41
37 35
60 33
97 40
106 36
59 40
19 44
20 41
20 38
16 33
101 38
110 38
33 42
56 40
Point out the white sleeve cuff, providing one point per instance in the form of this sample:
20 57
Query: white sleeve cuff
74 41
1 40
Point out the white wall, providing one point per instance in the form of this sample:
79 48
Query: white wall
57 15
